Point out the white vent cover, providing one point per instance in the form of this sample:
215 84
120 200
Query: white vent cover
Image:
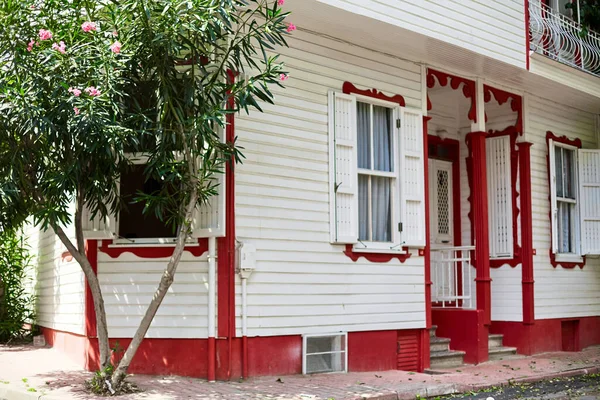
325 353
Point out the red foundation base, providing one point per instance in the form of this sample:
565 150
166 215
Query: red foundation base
466 331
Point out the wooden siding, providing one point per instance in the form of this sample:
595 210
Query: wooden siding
495 29
59 284
559 292
128 284
302 283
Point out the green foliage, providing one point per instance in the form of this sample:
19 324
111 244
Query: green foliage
16 299
590 14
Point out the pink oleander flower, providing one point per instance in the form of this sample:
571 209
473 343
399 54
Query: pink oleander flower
61 48
115 33
76 92
280 2
115 47
283 77
76 110
30 45
291 27
45 34
92 91
88 26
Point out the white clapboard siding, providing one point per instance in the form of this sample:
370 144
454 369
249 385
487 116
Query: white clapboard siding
507 293
589 207
58 284
499 185
578 289
493 28
302 283
129 283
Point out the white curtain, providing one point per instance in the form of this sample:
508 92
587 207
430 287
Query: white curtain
364 135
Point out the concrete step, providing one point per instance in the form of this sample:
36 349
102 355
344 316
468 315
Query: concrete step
437 344
446 359
432 330
502 353
495 341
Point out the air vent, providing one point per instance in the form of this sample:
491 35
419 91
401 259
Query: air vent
325 353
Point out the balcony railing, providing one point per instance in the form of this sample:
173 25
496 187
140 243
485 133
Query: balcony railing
558 37
451 276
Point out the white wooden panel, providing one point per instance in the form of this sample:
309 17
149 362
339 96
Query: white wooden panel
303 283
589 207
578 288
507 293
98 227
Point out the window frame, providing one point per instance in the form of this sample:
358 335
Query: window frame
394 246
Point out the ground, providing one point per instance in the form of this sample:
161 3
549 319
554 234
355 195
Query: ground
44 373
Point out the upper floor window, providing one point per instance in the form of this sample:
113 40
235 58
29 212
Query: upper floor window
565 171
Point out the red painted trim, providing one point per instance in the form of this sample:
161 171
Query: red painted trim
526 234
349 88
469 88
480 217
427 249
75 346
151 252
466 330
211 363
501 96
90 312
571 142
527 37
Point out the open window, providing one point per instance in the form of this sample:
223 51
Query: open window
376 174
575 201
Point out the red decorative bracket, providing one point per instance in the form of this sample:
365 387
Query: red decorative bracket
502 97
151 252
376 257
468 89
349 88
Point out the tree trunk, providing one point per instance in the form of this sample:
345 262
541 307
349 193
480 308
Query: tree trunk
165 282
92 279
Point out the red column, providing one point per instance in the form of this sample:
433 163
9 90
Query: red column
526 231
481 225
425 349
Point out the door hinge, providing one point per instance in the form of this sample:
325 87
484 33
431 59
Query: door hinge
399 226
398 123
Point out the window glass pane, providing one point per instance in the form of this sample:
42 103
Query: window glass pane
364 135
382 208
559 171
382 138
363 207
443 203
565 225
569 173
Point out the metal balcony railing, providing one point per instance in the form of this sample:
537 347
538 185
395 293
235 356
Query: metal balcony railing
451 276
558 37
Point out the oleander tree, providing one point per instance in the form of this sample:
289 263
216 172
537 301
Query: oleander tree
69 72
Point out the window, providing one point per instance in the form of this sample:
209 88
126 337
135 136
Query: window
376 174
325 353
566 199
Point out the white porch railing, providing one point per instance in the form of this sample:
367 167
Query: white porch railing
451 274
559 37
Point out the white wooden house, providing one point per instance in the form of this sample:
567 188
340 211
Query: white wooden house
429 164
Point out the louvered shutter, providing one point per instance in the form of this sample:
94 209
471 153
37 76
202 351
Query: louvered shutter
98 227
553 205
500 212
589 206
412 175
343 176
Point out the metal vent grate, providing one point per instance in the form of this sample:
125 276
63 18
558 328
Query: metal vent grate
325 353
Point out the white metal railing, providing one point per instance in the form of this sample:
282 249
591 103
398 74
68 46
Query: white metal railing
559 37
451 274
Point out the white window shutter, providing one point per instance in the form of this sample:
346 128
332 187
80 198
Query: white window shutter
98 227
589 192
499 185
553 204
412 175
343 175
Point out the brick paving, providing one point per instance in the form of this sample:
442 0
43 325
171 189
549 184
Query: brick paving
53 375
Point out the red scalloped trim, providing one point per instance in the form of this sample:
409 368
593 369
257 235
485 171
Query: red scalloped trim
376 257
502 97
572 142
443 78
349 88
151 252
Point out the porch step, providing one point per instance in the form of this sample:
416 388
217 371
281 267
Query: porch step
495 341
502 353
438 344
446 359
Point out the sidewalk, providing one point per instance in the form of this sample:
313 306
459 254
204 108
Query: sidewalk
41 373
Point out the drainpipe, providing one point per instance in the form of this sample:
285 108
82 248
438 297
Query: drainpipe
211 309
247 264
